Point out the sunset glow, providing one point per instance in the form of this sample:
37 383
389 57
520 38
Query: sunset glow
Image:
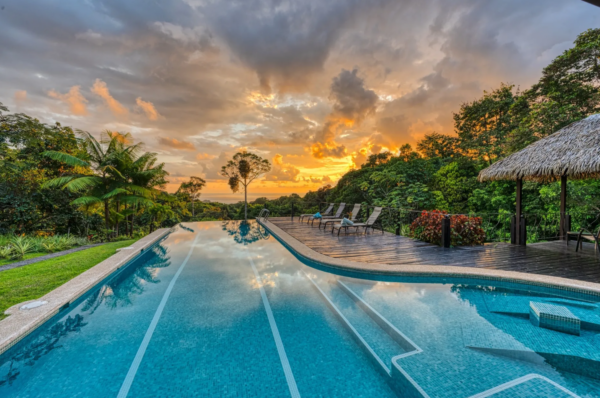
316 95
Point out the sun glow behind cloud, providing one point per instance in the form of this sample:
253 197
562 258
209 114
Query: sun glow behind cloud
315 88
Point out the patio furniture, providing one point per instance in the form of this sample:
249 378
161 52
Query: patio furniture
337 214
353 216
366 225
584 234
327 212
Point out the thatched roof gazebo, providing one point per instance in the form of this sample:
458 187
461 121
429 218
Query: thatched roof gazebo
572 152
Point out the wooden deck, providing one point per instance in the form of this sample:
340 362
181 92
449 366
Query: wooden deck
548 258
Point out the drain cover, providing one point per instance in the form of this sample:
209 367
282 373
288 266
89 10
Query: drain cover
32 305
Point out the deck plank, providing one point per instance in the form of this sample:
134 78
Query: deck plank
553 258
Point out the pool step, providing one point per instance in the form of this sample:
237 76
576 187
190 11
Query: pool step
381 340
380 346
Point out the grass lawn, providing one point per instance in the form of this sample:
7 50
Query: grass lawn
26 257
34 280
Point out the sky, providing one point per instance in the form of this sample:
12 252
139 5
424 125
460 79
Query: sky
313 86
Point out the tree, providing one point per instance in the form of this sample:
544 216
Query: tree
160 213
144 179
377 159
436 145
244 168
97 172
483 126
24 205
566 92
192 189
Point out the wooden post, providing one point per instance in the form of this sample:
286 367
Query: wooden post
292 211
523 231
513 230
446 231
519 210
563 207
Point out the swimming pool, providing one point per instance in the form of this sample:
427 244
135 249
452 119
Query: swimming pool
223 309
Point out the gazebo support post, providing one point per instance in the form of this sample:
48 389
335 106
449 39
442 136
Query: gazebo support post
563 208
518 212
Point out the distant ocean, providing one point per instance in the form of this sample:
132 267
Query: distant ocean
237 197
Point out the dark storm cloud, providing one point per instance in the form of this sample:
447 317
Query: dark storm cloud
351 99
284 41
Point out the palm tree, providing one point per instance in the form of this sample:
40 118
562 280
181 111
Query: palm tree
145 176
97 174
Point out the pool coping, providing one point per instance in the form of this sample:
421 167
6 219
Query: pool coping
305 252
20 323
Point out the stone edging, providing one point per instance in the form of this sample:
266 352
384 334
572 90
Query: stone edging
22 322
47 257
306 253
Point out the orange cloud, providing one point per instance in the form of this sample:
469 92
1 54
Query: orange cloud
101 89
282 171
359 158
204 156
73 98
148 108
20 96
175 143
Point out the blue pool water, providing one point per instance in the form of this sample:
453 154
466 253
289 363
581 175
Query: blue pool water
223 309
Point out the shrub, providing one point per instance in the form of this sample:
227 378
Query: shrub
21 246
6 252
465 230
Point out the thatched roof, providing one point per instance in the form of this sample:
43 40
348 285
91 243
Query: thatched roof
573 150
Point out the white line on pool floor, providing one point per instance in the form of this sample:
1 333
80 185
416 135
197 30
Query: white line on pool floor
285 363
148 336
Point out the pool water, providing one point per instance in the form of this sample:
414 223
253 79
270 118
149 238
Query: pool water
224 309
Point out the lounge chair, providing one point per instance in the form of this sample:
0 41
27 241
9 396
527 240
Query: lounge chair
366 225
584 234
338 214
327 212
353 216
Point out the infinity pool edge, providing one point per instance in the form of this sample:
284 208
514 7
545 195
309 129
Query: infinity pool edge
21 323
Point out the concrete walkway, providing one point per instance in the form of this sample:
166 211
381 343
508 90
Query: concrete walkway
46 257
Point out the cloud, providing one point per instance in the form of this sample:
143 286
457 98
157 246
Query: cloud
285 43
281 171
204 156
73 98
176 144
148 108
101 89
328 150
20 96
317 180
207 59
352 101
359 158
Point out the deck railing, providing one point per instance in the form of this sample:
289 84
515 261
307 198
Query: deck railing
497 226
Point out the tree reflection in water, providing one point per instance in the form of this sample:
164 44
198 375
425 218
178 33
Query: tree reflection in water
42 345
117 292
245 232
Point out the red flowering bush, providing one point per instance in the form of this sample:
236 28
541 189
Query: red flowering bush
465 231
